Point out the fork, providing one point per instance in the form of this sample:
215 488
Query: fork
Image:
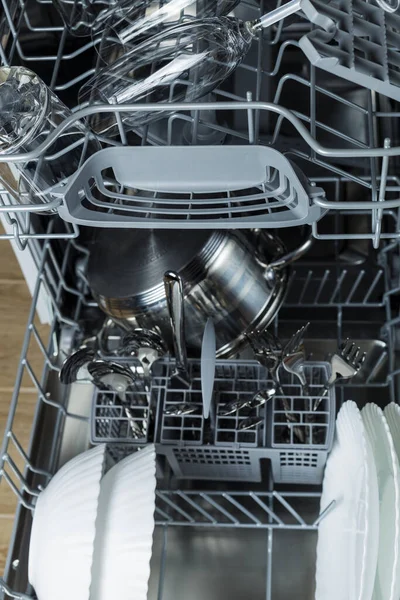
294 364
344 365
268 351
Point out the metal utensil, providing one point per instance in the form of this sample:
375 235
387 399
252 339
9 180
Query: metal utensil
75 366
145 345
174 294
261 397
294 364
185 408
268 351
258 400
207 366
250 423
112 376
233 406
296 340
118 379
344 365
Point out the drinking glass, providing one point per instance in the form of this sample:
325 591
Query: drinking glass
29 112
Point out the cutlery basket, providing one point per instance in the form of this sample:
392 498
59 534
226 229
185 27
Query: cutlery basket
216 448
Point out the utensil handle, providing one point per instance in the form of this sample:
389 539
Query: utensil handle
278 14
323 395
174 294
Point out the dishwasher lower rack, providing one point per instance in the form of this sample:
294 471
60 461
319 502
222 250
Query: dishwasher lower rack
217 518
338 134
294 438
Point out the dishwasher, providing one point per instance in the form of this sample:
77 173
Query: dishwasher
237 508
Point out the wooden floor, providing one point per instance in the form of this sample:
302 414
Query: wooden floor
15 302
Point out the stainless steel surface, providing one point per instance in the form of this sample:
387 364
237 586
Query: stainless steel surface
175 303
225 277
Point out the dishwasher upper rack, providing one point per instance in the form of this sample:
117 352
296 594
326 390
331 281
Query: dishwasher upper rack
266 77
124 208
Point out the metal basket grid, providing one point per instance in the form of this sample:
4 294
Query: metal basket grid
241 380
113 422
297 108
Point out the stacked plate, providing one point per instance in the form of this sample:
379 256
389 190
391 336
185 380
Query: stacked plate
92 533
358 551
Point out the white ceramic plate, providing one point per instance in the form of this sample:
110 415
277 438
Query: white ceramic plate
124 529
347 548
387 584
63 529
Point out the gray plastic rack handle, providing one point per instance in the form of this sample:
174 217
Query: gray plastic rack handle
198 186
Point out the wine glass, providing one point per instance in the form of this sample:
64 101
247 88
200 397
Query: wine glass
182 63
89 17
124 29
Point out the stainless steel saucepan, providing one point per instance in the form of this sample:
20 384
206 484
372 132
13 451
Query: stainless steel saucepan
237 278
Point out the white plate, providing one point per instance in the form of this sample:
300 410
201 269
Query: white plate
63 530
124 529
347 548
387 584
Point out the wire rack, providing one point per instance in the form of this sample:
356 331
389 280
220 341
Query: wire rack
342 136
61 411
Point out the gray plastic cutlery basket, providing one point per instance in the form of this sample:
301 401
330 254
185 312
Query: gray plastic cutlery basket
216 448
201 186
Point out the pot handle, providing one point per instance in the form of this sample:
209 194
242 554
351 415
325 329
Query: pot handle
174 294
288 257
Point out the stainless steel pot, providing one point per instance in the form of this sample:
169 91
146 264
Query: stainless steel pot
238 278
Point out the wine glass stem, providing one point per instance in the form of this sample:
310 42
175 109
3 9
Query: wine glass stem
277 15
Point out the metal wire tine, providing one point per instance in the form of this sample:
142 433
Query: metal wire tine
272 340
354 354
345 347
296 340
362 359
252 340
